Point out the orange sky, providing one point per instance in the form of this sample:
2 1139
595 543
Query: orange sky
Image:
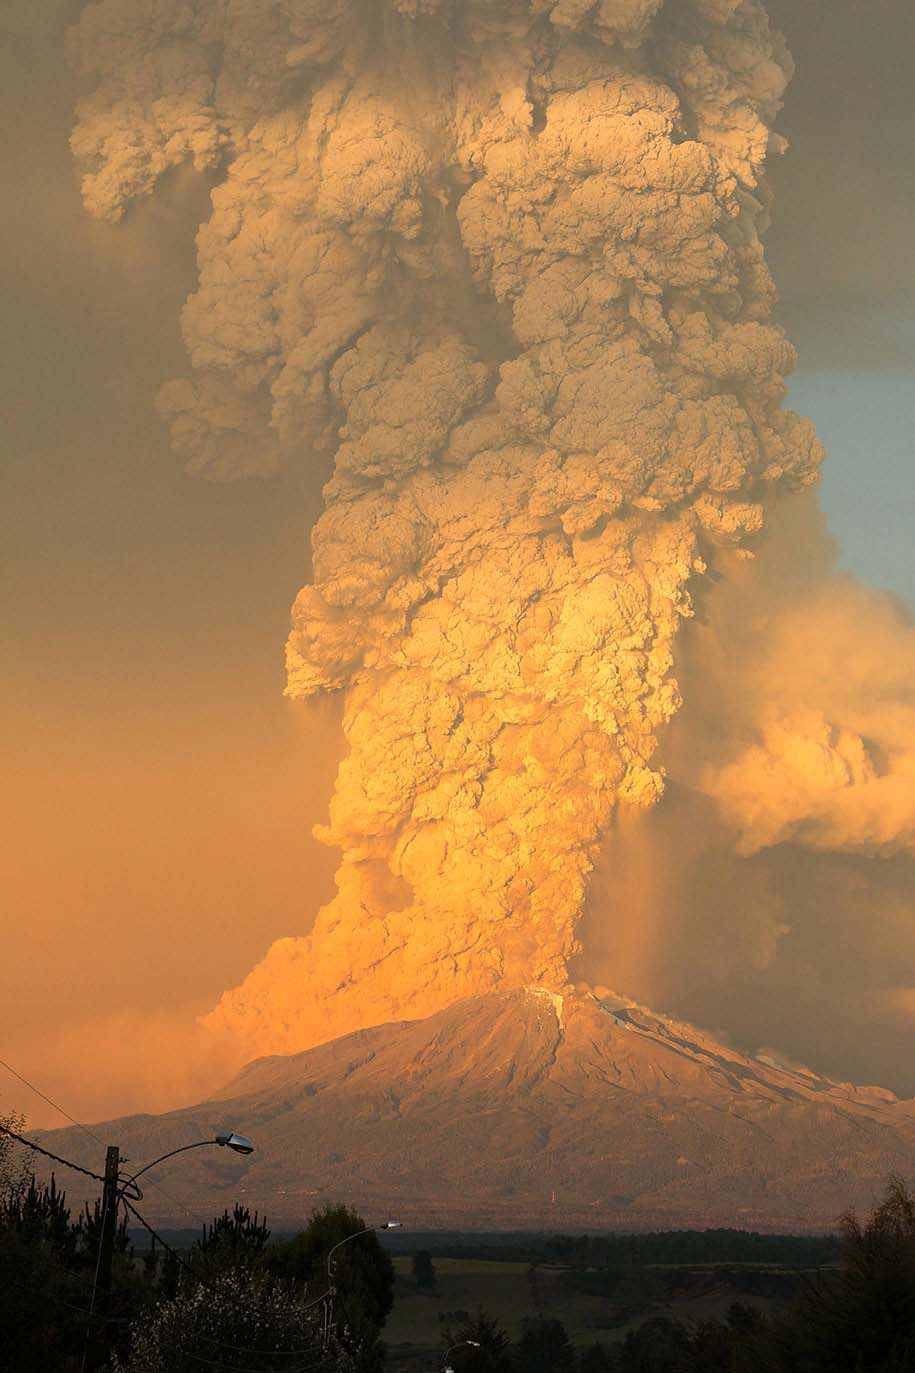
158 791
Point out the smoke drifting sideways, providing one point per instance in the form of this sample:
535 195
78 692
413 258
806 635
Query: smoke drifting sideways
771 893
499 265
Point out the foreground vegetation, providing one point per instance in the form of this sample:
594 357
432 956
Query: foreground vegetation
236 1299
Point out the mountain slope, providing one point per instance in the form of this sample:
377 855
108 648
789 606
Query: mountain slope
526 1109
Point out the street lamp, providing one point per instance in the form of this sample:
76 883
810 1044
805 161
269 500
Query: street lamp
369 1230
239 1144
331 1290
474 1344
118 1188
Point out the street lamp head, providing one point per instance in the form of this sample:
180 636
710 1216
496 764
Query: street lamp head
236 1142
389 1225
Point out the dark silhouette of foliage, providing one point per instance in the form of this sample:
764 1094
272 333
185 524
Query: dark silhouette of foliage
231 1242
660 1345
91 1226
597 1358
238 1319
170 1277
493 1354
46 1271
744 1320
721 1246
545 1347
710 1347
42 1306
362 1275
40 1215
150 1258
423 1270
861 1319
14 1167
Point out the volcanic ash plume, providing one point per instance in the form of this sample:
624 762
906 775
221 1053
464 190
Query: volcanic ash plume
501 260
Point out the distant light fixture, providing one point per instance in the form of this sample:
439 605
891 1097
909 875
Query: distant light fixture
389 1225
239 1143
461 1344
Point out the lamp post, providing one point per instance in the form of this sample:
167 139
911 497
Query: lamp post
474 1344
331 1290
117 1187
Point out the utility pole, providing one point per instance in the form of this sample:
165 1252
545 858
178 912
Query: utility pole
109 1218
95 1350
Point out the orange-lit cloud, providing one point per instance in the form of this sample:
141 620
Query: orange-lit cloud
803 683
772 889
516 285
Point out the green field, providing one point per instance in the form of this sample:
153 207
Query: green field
512 1291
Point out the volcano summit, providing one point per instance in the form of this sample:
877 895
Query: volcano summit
530 1109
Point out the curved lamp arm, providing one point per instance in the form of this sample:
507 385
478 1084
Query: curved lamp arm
238 1143
461 1344
369 1230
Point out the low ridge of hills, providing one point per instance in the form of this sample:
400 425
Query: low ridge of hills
526 1109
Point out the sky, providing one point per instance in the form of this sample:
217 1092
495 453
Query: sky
842 250
157 807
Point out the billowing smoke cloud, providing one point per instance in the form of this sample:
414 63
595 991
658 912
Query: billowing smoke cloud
814 694
771 893
502 261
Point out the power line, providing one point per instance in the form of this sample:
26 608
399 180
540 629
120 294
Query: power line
193 1215
193 1271
30 1144
47 1294
238 1349
198 1277
32 1088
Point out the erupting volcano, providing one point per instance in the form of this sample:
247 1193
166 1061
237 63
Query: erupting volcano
502 260
492 271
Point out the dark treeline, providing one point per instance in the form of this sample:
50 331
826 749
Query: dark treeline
665 1247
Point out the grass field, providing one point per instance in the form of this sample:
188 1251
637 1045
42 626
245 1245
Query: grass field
415 1332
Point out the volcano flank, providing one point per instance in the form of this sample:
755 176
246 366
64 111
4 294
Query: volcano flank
529 1109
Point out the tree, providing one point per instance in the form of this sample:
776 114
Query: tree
235 1320
862 1317
40 1215
492 1356
710 1345
423 1270
231 1242
362 1276
46 1270
14 1169
90 1224
659 1346
42 1307
545 1347
597 1358
744 1320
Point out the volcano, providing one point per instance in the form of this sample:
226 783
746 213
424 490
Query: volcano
526 1109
